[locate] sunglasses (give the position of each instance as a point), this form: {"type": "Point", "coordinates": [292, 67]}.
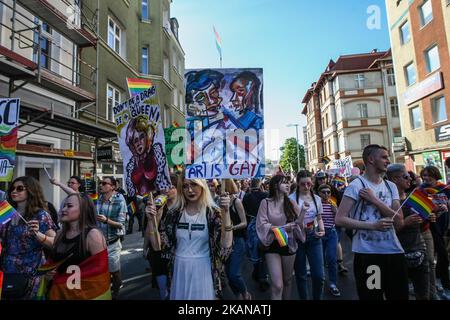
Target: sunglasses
{"type": "Point", "coordinates": [19, 189]}
{"type": "Point", "coordinates": [103, 183]}
{"type": "Point", "coordinates": [192, 186]}
{"type": "Point", "coordinates": [325, 192]}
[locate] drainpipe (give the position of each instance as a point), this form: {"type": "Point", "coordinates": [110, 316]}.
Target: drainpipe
{"type": "Point", "coordinates": [388, 112]}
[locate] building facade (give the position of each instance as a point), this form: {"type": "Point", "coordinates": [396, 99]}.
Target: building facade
{"type": "Point", "coordinates": [419, 32]}
{"type": "Point", "coordinates": [353, 104]}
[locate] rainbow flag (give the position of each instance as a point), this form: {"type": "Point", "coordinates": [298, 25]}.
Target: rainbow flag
{"type": "Point", "coordinates": [281, 236]}
{"type": "Point", "coordinates": [439, 187]}
{"type": "Point", "coordinates": [132, 208]}
{"type": "Point", "coordinates": [8, 144]}
{"type": "Point", "coordinates": [94, 197]}
{"type": "Point", "coordinates": [175, 124]}
{"type": "Point", "coordinates": [420, 203]}
{"type": "Point", "coordinates": [136, 85]}
{"type": "Point", "coordinates": [6, 212]}
{"type": "Point", "coordinates": [218, 42]}
{"type": "Point", "coordinates": [50, 265]}
{"type": "Point", "coordinates": [95, 281]}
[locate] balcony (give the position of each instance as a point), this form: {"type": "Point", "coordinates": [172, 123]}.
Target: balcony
{"type": "Point", "coordinates": [77, 25]}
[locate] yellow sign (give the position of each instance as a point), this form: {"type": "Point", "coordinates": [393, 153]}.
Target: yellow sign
{"type": "Point", "coordinates": [69, 153]}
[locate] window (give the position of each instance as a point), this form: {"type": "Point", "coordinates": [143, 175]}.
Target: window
{"type": "Point", "coordinates": [405, 34]}
{"type": "Point", "coordinates": [432, 59]}
{"type": "Point", "coordinates": [326, 117]}
{"type": "Point", "coordinates": [114, 35]}
{"type": "Point", "coordinates": [175, 59]}
{"type": "Point", "coordinates": [113, 96]}
{"type": "Point", "coordinates": [45, 42]}
{"type": "Point", "coordinates": [166, 68]}
{"type": "Point", "coordinates": [365, 140]}
{"type": "Point", "coordinates": [410, 74]}
{"type": "Point", "coordinates": [145, 15]}
{"type": "Point", "coordinates": [144, 61]}
{"type": "Point", "coordinates": [438, 110]}
{"type": "Point", "coordinates": [415, 117]}
{"type": "Point", "coordinates": [363, 113]}
{"type": "Point", "coordinates": [426, 13]}
{"type": "Point", "coordinates": [359, 78]}
{"type": "Point", "coordinates": [394, 107]}
{"type": "Point", "coordinates": [175, 97]}
{"type": "Point", "coordinates": [181, 105]}
{"type": "Point", "coordinates": [390, 77]}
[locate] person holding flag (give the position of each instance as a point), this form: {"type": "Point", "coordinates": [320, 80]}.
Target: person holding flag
{"type": "Point", "coordinates": [371, 206]}
{"type": "Point", "coordinates": [409, 233]}
{"type": "Point", "coordinates": [26, 234]}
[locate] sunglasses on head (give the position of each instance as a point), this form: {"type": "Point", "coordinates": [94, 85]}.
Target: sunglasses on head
{"type": "Point", "coordinates": [18, 189]}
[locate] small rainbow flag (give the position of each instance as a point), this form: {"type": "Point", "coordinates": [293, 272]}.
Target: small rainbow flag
{"type": "Point", "coordinates": [175, 124]}
{"type": "Point", "coordinates": [6, 212]}
{"type": "Point", "coordinates": [218, 41]}
{"type": "Point", "coordinates": [136, 85]}
{"type": "Point", "coordinates": [439, 187]}
{"type": "Point", "coordinates": [94, 196]}
{"type": "Point", "coordinates": [132, 208]}
{"type": "Point", "coordinates": [281, 236]}
{"type": "Point", "coordinates": [420, 203]}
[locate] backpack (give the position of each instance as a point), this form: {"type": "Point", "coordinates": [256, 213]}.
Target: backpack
{"type": "Point", "coordinates": [358, 209]}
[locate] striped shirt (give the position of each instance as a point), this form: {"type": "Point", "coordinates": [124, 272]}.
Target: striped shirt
{"type": "Point", "coordinates": [328, 216]}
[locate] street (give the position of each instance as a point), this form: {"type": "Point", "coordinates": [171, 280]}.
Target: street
{"type": "Point", "coordinates": [137, 281]}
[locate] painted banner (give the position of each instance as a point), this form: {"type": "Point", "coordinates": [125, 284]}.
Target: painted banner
{"type": "Point", "coordinates": [344, 165]}
{"type": "Point", "coordinates": [225, 123]}
{"type": "Point", "coordinates": [9, 119]}
{"type": "Point", "coordinates": [141, 140]}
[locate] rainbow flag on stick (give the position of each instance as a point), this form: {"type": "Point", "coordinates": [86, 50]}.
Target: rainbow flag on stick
{"type": "Point", "coordinates": [6, 212]}
{"type": "Point", "coordinates": [218, 42]}
{"type": "Point", "coordinates": [281, 236]}
{"type": "Point", "coordinates": [132, 208]}
{"type": "Point", "coordinates": [439, 187]}
{"type": "Point", "coordinates": [95, 281]}
{"type": "Point", "coordinates": [420, 203]}
{"type": "Point", "coordinates": [136, 85]}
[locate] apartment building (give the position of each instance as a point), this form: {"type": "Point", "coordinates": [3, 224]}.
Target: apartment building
{"type": "Point", "coordinates": [137, 39]}
{"type": "Point", "coordinates": [351, 105]}
{"type": "Point", "coordinates": [40, 45]}
{"type": "Point", "coordinates": [419, 32]}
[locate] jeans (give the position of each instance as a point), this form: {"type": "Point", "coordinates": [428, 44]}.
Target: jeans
{"type": "Point", "coordinates": [428, 237]}
{"type": "Point", "coordinates": [329, 243]}
{"type": "Point", "coordinates": [312, 248]}
{"type": "Point", "coordinates": [442, 255]}
{"type": "Point", "coordinates": [420, 277]}
{"type": "Point", "coordinates": [233, 267]}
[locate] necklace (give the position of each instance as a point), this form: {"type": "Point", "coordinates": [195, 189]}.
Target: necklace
{"type": "Point", "coordinates": [190, 224]}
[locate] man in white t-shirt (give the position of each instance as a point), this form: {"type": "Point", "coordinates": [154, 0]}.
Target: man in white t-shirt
{"type": "Point", "coordinates": [368, 206]}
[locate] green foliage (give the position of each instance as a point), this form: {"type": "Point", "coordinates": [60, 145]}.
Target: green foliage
{"type": "Point", "coordinates": [289, 156]}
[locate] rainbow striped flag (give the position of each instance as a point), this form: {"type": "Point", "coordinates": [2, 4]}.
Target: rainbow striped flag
{"type": "Point", "coordinates": [218, 42]}
{"type": "Point", "coordinates": [6, 212]}
{"type": "Point", "coordinates": [420, 203]}
{"type": "Point", "coordinates": [94, 197]}
{"type": "Point", "coordinates": [439, 187]}
{"type": "Point", "coordinates": [95, 281]}
{"type": "Point", "coordinates": [132, 208]}
{"type": "Point", "coordinates": [50, 265]}
{"type": "Point", "coordinates": [136, 85]}
{"type": "Point", "coordinates": [281, 236]}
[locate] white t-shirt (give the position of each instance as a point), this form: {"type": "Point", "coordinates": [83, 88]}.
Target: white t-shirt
{"type": "Point", "coordinates": [370, 241]}
{"type": "Point", "coordinates": [312, 212]}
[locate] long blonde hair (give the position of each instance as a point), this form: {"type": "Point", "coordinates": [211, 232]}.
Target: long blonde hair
{"type": "Point", "coordinates": [206, 200]}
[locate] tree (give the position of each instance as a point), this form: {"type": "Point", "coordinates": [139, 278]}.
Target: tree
{"type": "Point", "coordinates": [289, 156]}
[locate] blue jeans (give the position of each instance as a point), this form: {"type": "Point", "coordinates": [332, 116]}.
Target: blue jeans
{"type": "Point", "coordinates": [233, 266]}
{"type": "Point", "coordinates": [312, 248]}
{"type": "Point", "coordinates": [329, 242]}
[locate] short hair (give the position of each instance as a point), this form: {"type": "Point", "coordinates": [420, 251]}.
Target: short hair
{"type": "Point", "coordinates": [432, 172]}
{"type": "Point", "coordinates": [370, 150]}
{"type": "Point", "coordinates": [324, 186]}
{"type": "Point", "coordinates": [113, 180]}
{"type": "Point", "coordinates": [393, 169]}
{"type": "Point", "coordinates": [76, 178]}
{"type": "Point", "coordinates": [255, 184]}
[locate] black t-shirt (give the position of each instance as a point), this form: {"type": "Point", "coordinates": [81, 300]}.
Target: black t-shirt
{"type": "Point", "coordinates": [410, 237]}
{"type": "Point", "coordinates": [234, 215]}
{"type": "Point", "coordinates": [252, 201]}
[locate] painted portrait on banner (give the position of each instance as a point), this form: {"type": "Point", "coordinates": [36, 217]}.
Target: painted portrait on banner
{"type": "Point", "coordinates": [9, 119]}
{"type": "Point", "coordinates": [141, 140]}
{"type": "Point", "coordinates": [225, 123]}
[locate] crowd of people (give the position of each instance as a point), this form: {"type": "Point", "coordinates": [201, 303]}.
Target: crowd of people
{"type": "Point", "coordinates": [197, 239]}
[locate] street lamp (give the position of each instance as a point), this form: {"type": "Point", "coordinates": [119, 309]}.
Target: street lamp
{"type": "Point", "coordinates": [298, 152]}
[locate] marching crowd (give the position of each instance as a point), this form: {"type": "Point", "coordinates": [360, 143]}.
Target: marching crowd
{"type": "Point", "coordinates": [198, 233]}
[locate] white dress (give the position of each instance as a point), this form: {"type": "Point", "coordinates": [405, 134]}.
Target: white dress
{"type": "Point", "coordinates": [192, 277]}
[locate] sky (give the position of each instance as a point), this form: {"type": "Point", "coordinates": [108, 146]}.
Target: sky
{"type": "Point", "coordinates": [292, 40]}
